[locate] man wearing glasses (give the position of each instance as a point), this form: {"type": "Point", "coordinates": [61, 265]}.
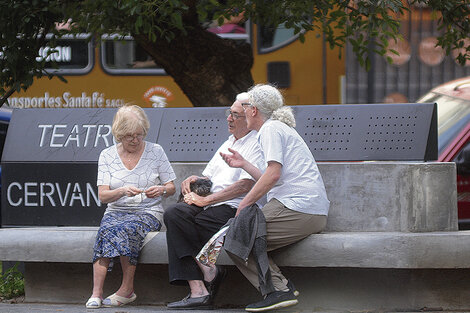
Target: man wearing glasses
{"type": "Point", "coordinates": [190, 224]}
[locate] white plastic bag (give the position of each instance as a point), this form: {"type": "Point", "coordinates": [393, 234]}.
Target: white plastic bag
{"type": "Point", "coordinates": [211, 250]}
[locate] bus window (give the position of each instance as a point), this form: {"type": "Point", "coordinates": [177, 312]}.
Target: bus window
{"type": "Point", "coordinates": [123, 56]}
{"type": "Point", "coordinates": [271, 38]}
{"type": "Point", "coordinates": [73, 55]}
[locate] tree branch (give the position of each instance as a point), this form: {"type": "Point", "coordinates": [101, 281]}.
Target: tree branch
{"type": "Point", "coordinates": [6, 95]}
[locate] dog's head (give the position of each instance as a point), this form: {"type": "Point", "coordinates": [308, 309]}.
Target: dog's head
{"type": "Point", "coordinates": [201, 187]}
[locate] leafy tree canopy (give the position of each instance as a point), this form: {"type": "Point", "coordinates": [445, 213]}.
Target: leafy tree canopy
{"type": "Point", "coordinates": [170, 27]}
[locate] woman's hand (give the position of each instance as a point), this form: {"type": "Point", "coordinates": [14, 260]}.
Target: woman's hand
{"type": "Point", "coordinates": [233, 160]}
{"type": "Point", "coordinates": [155, 191]}
{"type": "Point", "coordinates": [195, 199]}
{"type": "Point", "coordinates": [130, 191]}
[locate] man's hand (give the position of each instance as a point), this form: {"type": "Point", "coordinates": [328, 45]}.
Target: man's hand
{"type": "Point", "coordinates": [238, 211]}
{"type": "Point", "coordinates": [185, 188]}
{"type": "Point", "coordinates": [241, 209]}
{"type": "Point", "coordinates": [192, 198]}
{"type": "Point", "coordinates": [233, 160]}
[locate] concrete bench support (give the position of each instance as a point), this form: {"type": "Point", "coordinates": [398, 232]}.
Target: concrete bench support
{"type": "Point", "coordinates": [321, 289]}
{"type": "Point", "coordinates": [381, 196]}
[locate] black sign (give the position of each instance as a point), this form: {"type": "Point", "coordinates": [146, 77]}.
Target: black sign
{"type": "Point", "coordinates": [49, 165]}
{"type": "Point", "coordinates": [49, 161]}
{"type": "Point", "coordinates": [64, 135]}
{"type": "Point", "coordinates": [50, 194]}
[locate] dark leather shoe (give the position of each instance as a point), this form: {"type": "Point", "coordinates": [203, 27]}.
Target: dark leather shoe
{"type": "Point", "coordinates": [189, 303]}
{"type": "Point", "coordinates": [213, 286]}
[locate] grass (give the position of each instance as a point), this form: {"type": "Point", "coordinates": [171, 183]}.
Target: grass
{"type": "Point", "coordinates": [11, 283]}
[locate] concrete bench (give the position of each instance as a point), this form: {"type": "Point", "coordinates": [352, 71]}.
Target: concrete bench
{"type": "Point", "coordinates": [391, 242]}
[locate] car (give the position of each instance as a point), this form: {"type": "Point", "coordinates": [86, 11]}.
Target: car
{"type": "Point", "coordinates": [453, 107]}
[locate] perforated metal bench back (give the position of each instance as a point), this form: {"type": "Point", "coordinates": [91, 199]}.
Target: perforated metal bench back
{"type": "Point", "coordinates": [192, 134]}
{"type": "Point", "coordinates": [377, 132]}
{"type": "Point", "coordinates": [333, 133]}
{"type": "Point", "coordinates": [369, 132]}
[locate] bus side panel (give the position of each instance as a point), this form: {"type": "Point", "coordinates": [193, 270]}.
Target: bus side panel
{"type": "Point", "coordinates": [100, 90]}
{"type": "Point", "coordinates": [306, 70]}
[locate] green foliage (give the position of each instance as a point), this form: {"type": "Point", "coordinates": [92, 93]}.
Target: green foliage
{"type": "Point", "coordinates": [11, 283]}
{"type": "Point", "coordinates": [454, 22]}
{"type": "Point", "coordinates": [365, 24]}
{"type": "Point", "coordinates": [359, 22]}
{"type": "Point", "coordinates": [160, 19]}
{"type": "Point", "coordinates": [23, 26]}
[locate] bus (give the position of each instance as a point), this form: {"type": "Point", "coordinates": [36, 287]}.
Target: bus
{"type": "Point", "coordinates": [110, 71]}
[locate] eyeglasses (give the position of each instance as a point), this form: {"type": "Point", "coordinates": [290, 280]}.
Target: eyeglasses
{"type": "Point", "coordinates": [234, 115]}
{"type": "Point", "coordinates": [130, 138]}
{"type": "Point", "coordinates": [246, 104]}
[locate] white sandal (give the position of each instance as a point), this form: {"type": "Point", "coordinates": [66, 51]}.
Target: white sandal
{"type": "Point", "coordinates": [115, 300]}
{"type": "Point", "coordinates": [93, 303]}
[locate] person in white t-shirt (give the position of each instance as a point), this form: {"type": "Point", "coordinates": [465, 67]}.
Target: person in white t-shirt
{"type": "Point", "coordinates": [133, 176]}
{"type": "Point", "coordinates": [297, 201]}
{"type": "Point", "coordinates": [190, 224]}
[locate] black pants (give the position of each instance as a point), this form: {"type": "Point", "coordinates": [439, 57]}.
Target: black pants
{"type": "Point", "coordinates": [189, 227]}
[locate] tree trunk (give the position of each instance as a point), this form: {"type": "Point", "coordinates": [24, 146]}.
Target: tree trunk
{"type": "Point", "coordinates": [210, 70]}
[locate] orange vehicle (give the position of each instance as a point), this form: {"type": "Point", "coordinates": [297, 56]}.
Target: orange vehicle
{"type": "Point", "coordinates": [119, 71]}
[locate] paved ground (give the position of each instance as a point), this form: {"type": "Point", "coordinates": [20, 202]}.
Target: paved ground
{"type": "Point", "coordinates": [75, 308]}
{"type": "Point", "coordinates": [18, 306]}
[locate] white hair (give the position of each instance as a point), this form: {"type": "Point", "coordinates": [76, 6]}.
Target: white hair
{"type": "Point", "coordinates": [285, 115]}
{"type": "Point", "coordinates": [244, 96]}
{"type": "Point", "coordinates": [128, 120]}
{"type": "Point", "coordinates": [270, 102]}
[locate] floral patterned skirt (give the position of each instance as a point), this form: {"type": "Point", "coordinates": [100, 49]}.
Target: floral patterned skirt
{"type": "Point", "coordinates": [123, 234]}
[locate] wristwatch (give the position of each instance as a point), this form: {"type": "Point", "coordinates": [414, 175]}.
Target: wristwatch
{"type": "Point", "coordinates": [164, 191]}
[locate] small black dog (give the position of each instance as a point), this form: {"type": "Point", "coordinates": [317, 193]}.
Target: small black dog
{"type": "Point", "coordinates": [201, 187]}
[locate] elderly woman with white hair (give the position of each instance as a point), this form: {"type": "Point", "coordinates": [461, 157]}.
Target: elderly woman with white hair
{"type": "Point", "coordinates": [297, 201]}
{"type": "Point", "coordinates": [133, 177]}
